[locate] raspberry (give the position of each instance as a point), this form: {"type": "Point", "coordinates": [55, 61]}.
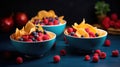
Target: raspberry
{"type": "Point", "coordinates": [69, 30]}
{"type": "Point", "coordinates": [111, 23]}
{"type": "Point", "coordinates": [45, 21]}
{"type": "Point", "coordinates": [50, 23]}
{"type": "Point", "coordinates": [95, 58]}
{"type": "Point", "coordinates": [107, 43]}
{"type": "Point", "coordinates": [96, 54]}
{"type": "Point", "coordinates": [102, 55]}
{"type": "Point", "coordinates": [98, 51]}
{"type": "Point", "coordinates": [62, 52]}
{"type": "Point", "coordinates": [91, 34]}
{"type": "Point", "coordinates": [39, 39]}
{"type": "Point", "coordinates": [56, 58]}
{"type": "Point", "coordinates": [19, 60]}
{"type": "Point", "coordinates": [45, 37]}
{"type": "Point", "coordinates": [87, 57]}
{"type": "Point", "coordinates": [29, 40]}
{"type": "Point", "coordinates": [114, 16]}
{"type": "Point", "coordinates": [117, 25]}
{"type": "Point", "coordinates": [105, 22]}
{"type": "Point", "coordinates": [25, 37]}
{"type": "Point", "coordinates": [87, 30]}
{"type": "Point", "coordinates": [115, 53]}
{"type": "Point", "coordinates": [56, 22]}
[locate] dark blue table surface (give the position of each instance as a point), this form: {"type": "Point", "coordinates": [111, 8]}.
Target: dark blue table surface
{"type": "Point", "coordinates": [69, 60]}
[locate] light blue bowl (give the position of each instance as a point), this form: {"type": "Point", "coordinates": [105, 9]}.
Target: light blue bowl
{"type": "Point", "coordinates": [34, 48]}
{"type": "Point", "coordinates": [86, 44]}
{"type": "Point", "coordinates": [57, 29]}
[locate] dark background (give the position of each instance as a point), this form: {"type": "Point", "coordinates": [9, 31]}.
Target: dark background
{"type": "Point", "coordinates": [73, 10]}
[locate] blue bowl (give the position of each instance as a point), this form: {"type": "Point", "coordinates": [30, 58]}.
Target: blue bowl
{"type": "Point", "coordinates": [57, 29]}
{"type": "Point", "coordinates": [86, 44]}
{"type": "Point", "coordinates": [33, 48]}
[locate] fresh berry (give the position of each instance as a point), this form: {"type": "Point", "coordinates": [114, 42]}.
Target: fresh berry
{"type": "Point", "coordinates": [50, 23]}
{"type": "Point", "coordinates": [114, 16]}
{"type": "Point", "coordinates": [56, 58]}
{"type": "Point", "coordinates": [95, 54]}
{"type": "Point", "coordinates": [102, 55]}
{"type": "Point", "coordinates": [117, 25]}
{"type": "Point", "coordinates": [87, 57]}
{"type": "Point", "coordinates": [91, 34]}
{"type": "Point", "coordinates": [69, 30]}
{"type": "Point", "coordinates": [31, 36]}
{"type": "Point", "coordinates": [56, 22]}
{"type": "Point", "coordinates": [39, 39]}
{"type": "Point", "coordinates": [98, 51]}
{"type": "Point", "coordinates": [105, 22]}
{"type": "Point", "coordinates": [115, 53]}
{"type": "Point", "coordinates": [63, 52]}
{"type": "Point", "coordinates": [25, 37]}
{"type": "Point", "coordinates": [87, 30]}
{"type": "Point", "coordinates": [45, 37]}
{"type": "Point", "coordinates": [45, 21]}
{"type": "Point", "coordinates": [107, 43]}
{"type": "Point", "coordinates": [112, 23]}
{"type": "Point", "coordinates": [95, 58]}
{"type": "Point", "coordinates": [29, 40]}
{"type": "Point", "coordinates": [19, 60]}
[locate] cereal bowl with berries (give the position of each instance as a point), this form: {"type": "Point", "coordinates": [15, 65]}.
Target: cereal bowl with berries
{"type": "Point", "coordinates": [32, 40]}
{"type": "Point", "coordinates": [50, 21]}
{"type": "Point", "coordinates": [84, 36]}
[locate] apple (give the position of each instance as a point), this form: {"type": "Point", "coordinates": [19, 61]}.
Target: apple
{"type": "Point", "coordinates": [21, 19]}
{"type": "Point", "coordinates": [7, 24]}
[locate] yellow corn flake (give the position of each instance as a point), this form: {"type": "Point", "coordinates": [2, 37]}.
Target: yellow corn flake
{"type": "Point", "coordinates": [28, 26]}
{"type": "Point", "coordinates": [51, 13]}
{"type": "Point", "coordinates": [82, 32]}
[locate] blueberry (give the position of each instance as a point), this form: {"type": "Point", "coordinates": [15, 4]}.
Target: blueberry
{"type": "Point", "coordinates": [21, 39]}
{"type": "Point", "coordinates": [50, 19]}
{"type": "Point", "coordinates": [72, 33]}
{"type": "Point", "coordinates": [33, 39]}
{"type": "Point", "coordinates": [96, 34]}
{"type": "Point", "coordinates": [82, 36]}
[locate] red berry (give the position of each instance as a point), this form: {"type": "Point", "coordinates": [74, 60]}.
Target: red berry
{"type": "Point", "coordinates": [29, 40]}
{"type": "Point", "coordinates": [87, 57]}
{"type": "Point", "coordinates": [50, 23]}
{"type": "Point", "coordinates": [39, 39]}
{"type": "Point", "coordinates": [46, 37]}
{"type": "Point", "coordinates": [111, 23]}
{"type": "Point", "coordinates": [87, 30]}
{"type": "Point", "coordinates": [25, 37]}
{"type": "Point", "coordinates": [105, 22]}
{"type": "Point", "coordinates": [56, 58]}
{"type": "Point", "coordinates": [69, 30]}
{"type": "Point", "coordinates": [19, 60]}
{"type": "Point", "coordinates": [95, 58]}
{"type": "Point", "coordinates": [56, 22]}
{"type": "Point", "coordinates": [45, 21]}
{"type": "Point", "coordinates": [117, 25]}
{"type": "Point", "coordinates": [63, 52]}
{"type": "Point", "coordinates": [31, 36]}
{"type": "Point", "coordinates": [102, 55]}
{"type": "Point", "coordinates": [98, 51]}
{"type": "Point", "coordinates": [40, 34]}
{"type": "Point", "coordinates": [114, 16]}
{"type": "Point", "coordinates": [107, 43]}
{"type": "Point", "coordinates": [96, 54]}
{"type": "Point", "coordinates": [91, 34]}
{"type": "Point", "coordinates": [115, 53]}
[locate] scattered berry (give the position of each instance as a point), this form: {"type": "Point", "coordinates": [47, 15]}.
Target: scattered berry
{"type": "Point", "coordinates": [107, 43]}
{"type": "Point", "coordinates": [56, 58]}
{"type": "Point", "coordinates": [95, 58]}
{"type": "Point", "coordinates": [98, 51]}
{"type": "Point", "coordinates": [19, 60]}
{"type": "Point", "coordinates": [69, 30]}
{"type": "Point", "coordinates": [95, 54]}
{"type": "Point", "coordinates": [63, 52]}
{"type": "Point", "coordinates": [102, 55]}
{"type": "Point", "coordinates": [87, 57]}
{"type": "Point", "coordinates": [115, 53]}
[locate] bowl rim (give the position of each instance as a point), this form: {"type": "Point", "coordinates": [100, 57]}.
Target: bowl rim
{"type": "Point", "coordinates": [88, 38]}
{"type": "Point", "coordinates": [54, 25]}
{"type": "Point", "coordinates": [35, 41]}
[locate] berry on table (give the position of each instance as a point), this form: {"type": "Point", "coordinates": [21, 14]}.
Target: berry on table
{"type": "Point", "coordinates": [19, 60]}
{"type": "Point", "coordinates": [98, 51]}
{"type": "Point", "coordinates": [87, 57]}
{"type": "Point", "coordinates": [95, 58]}
{"type": "Point", "coordinates": [107, 43]}
{"type": "Point", "coordinates": [102, 55]}
{"type": "Point", "coordinates": [63, 52]}
{"type": "Point", "coordinates": [115, 53]}
{"type": "Point", "coordinates": [56, 58]}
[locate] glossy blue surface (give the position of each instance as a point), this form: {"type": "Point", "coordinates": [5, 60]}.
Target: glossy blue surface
{"type": "Point", "coordinates": [57, 29]}
{"type": "Point", "coordinates": [70, 60]}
